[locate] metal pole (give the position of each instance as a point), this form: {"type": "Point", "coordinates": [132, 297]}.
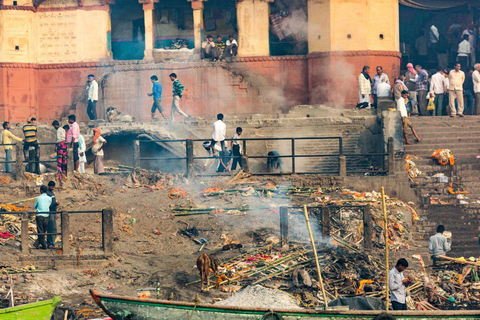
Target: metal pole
{"type": "Point", "coordinates": [319, 270]}
{"type": "Point", "coordinates": [385, 231]}
{"type": "Point", "coordinates": [293, 155]}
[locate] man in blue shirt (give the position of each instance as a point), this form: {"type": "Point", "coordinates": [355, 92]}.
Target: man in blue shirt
{"type": "Point", "coordinates": [157, 97]}
{"type": "Point", "coordinates": [42, 204]}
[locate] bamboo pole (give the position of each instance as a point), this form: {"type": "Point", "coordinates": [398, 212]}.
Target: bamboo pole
{"type": "Point", "coordinates": [319, 270]}
{"type": "Point", "coordinates": [385, 231]}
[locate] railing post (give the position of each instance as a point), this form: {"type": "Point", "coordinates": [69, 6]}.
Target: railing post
{"type": "Point", "coordinates": [65, 224]}
{"type": "Point", "coordinates": [244, 161]}
{"type": "Point", "coordinates": [326, 221]}
{"type": "Point", "coordinates": [24, 233]}
{"type": "Point", "coordinates": [293, 155]}
{"type": "Point", "coordinates": [136, 153]}
{"type": "Point", "coordinates": [244, 147]}
{"type": "Point", "coordinates": [19, 169]}
{"type": "Point", "coordinates": [284, 225]}
{"type": "Point", "coordinates": [340, 146]}
{"type": "Point", "coordinates": [189, 156]}
{"type": "Point", "coordinates": [342, 165]}
{"type": "Point", "coordinates": [107, 231]}
{"type": "Point", "coordinates": [367, 228]}
{"type": "Point", "coordinates": [70, 162]}
{"type": "Point", "coordinates": [391, 156]}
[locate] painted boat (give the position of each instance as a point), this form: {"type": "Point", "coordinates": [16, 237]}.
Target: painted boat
{"type": "Point", "coordinates": [41, 310]}
{"type": "Point", "coordinates": [123, 308]}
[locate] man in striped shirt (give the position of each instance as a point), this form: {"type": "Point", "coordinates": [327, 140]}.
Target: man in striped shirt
{"type": "Point", "coordinates": [30, 133]}
{"type": "Point", "coordinates": [177, 95]}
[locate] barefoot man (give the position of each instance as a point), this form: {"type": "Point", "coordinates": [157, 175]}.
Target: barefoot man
{"type": "Point", "coordinates": [405, 121]}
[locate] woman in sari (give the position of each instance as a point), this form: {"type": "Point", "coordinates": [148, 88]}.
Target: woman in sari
{"type": "Point", "coordinates": [62, 156]}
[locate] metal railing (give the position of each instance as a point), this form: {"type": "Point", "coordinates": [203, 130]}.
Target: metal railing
{"type": "Point", "coordinates": [334, 162]}
{"type": "Point", "coordinates": [106, 221]}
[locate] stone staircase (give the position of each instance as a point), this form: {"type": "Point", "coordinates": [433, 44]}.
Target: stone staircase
{"type": "Point", "coordinates": [458, 212]}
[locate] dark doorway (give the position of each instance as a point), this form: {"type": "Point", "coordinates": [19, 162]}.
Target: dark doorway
{"type": "Point", "coordinates": [174, 25]}
{"type": "Point", "coordinates": [128, 30]}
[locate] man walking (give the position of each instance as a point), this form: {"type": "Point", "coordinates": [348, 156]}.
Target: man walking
{"type": "Point", "coordinates": [421, 88]}
{"type": "Point", "coordinates": [42, 204]}
{"type": "Point", "coordinates": [456, 79]}
{"type": "Point", "coordinates": [157, 97]}
{"type": "Point", "coordinates": [52, 217]}
{"type": "Point", "coordinates": [438, 244]}
{"type": "Point", "coordinates": [219, 132]}
{"type": "Point", "coordinates": [438, 86]}
{"type": "Point", "coordinates": [236, 149]}
{"type": "Point", "coordinates": [476, 87]}
{"type": "Point", "coordinates": [177, 95]}
{"type": "Point", "coordinates": [92, 97]}
{"type": "Point", "coordinates": [402, 109]}
{"type": "Point", "coordinates": [30, 133]}
{"type": "Point", "coordinates": [72, 138]}
{"type": "Point", "coordinates": [7, 137]}
{"type": "Point", "coordinates": [377, 79]}
{"type": "Point", "coordinates": [397, 284]}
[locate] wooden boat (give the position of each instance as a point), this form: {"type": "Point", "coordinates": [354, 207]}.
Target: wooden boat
{"type": "Point", "coordinates": [122, 308]}
{"type": "Point", "coordinates": [41, 310]}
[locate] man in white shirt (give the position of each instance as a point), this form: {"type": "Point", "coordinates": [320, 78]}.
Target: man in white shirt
{"type": "Point", "coordinates": [231, 48]}
{"type": "Point", "coordinates": [92, 97]}
{"type": "Point", "coordinates": [383, 89]}
{"type": "Point", "coordinates": [219, 132]}
{"type": "Point", "coordinates": [464, 50]}
{"type": "Point", "coordinates": [439, 87]}
{"type": "Point", "coordinates": [377, 79]}
{"type": "Point", "coordinates": [208, 49]}
{"type": "Point", "coordinates": [397, 284]}
{"type": "Point", "coordinates": [456, 79]}
{"type": "Point", "coordinates": [402, 109]}
{"type": "Point", "coordinates": [476, 87]}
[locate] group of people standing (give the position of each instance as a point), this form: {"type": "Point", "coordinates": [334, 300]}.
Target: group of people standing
{"type": "Point", "coordinates": [429, 92]}
{"type": "Point", "coordinates": [69, 136]}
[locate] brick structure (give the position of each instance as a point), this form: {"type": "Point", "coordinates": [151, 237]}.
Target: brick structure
{"type": "Point", "coordinates": [44, 72]}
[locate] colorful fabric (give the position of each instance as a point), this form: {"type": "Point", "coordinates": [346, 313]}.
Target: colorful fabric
{"type": "Point", "coordinates": [73, 133]}
{"type": "Point", "coordinates": [220, 45]}
{"type": "Point", "coordinates": [6, 235]}
{"type": "Point", "coordinates": [422, 81]}
{"type": "Point", "coordinates": [276, 21]}
{"type": "Point", "coordinates": [411, 69]}
{"type": "Point", "coordinates": [62, 157]}
{"type": "Point", "coordinates": [30, 132]}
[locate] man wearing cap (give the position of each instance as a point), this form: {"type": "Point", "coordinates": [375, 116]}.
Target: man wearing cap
{"type": "Point", "coordinates": [92, 97]}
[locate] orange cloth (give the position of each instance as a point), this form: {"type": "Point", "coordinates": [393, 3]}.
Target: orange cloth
{"type": "Point", "coordinates": [97, 134]}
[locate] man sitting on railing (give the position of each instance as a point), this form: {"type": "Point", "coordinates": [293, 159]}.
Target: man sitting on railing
{"type": "Point", "coordinates": [42, 204]}
{"type": "Point", "coordinates": [7, 137]}
{"type": "Point", "coordinates": [30, 133]}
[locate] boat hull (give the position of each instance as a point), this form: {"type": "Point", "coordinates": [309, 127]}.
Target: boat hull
{"type": "Point", "coordinates": [145, 309]}
{"type": "Point", "coordinates": [41, 310]}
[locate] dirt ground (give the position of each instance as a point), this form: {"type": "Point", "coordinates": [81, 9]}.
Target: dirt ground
{"type": "Point", "coordinates": [150, 250]}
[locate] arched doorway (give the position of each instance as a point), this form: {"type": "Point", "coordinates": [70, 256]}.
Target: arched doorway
{"type": "Point", "coordinates": [128, 30]}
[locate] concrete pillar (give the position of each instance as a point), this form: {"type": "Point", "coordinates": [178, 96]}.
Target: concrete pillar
{"type": "Point", "coordinates": [65, 231]}
{"type": "Point", "coordinates": [367, 228]}
{"type": "Point", "coordinates": [197, 6]}
{"type": "Point", "coordinates": [107, 231]}
{"type": "Point", "coordinates": [136, 154]}
{"type": "Point", "coordinates": [19, 168]}
{"type": "Point", "coordinates": [391, 156]}
{"type": "Point", "coordinates": [189, 156]}
{"type": "Point", "coordinates": [149, 31]}
{"type": "Point", "coordinates": [24, 233]}
{"type": "Point", "coordinates": [342, 163]}
{"type": "Point", "coordinates": [253, 27]}
{"type": "Point", "coordinates": [284, 225]}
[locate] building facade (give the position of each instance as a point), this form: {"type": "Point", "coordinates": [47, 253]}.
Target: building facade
{"type": "Point", "coordinates": [47, 48]}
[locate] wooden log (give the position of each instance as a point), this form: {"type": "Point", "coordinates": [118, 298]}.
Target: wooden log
{"type": "Point", "coordinates": [459, 261]}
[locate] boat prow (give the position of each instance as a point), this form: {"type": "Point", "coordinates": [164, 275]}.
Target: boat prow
{"type": "Point", "coordinates": [124, 308]}
{"type": "Point", "coordinates": [41, 310]}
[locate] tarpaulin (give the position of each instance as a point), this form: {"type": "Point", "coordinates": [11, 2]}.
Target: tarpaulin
{"type": "Point", "coordinates": [359, 303]}
{"type": "Point", "coordinates": [435, 4]}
